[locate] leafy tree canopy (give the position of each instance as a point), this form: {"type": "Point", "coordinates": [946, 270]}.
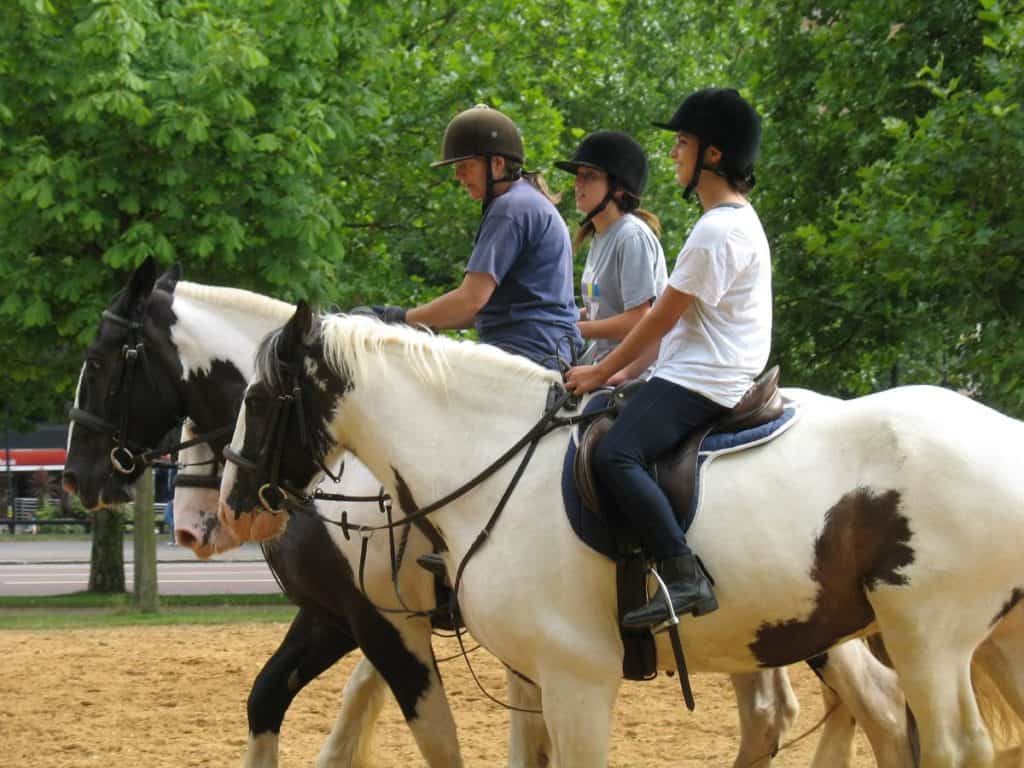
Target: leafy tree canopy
{"type": "Point", "coordinates": [285, 147]}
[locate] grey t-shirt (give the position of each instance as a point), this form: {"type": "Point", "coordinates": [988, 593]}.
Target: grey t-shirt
{"type": "Point", "coordinates": [625, 268]}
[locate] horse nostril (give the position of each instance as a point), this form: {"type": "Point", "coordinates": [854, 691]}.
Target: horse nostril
{"type": "Point", "coordinates": [70, 482]}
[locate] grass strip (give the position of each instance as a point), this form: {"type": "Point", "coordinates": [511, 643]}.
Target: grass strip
{"type": "Point", "coordinates": [124, 599]}
{"type": "Point", "coordinates": [88, 609]}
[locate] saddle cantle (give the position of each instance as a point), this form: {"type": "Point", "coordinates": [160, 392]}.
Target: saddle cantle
{"type": "Point", "coordinates": [676, 472]}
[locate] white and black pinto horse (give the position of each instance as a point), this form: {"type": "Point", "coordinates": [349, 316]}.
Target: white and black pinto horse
{"type": "Point", "coordinates": [901, 512]}
{"type": "Point", "coordinates": [191, 350]}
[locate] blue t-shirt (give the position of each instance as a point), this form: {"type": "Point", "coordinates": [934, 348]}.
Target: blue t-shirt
{"type": "Point", "coordinates": [524, 245]}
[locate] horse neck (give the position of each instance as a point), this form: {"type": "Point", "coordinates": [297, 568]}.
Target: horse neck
{"type": "Point", "coordinates": [216, 333]}
{"type": "Point", "coordinates": [206, 330]}
{"type": "Point", "coordinates": [433, 438]}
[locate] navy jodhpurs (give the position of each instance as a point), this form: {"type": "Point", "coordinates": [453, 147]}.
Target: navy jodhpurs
{"type": "Point", "coordinates": [655, 420]}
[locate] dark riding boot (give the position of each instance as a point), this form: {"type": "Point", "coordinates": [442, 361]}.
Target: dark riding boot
{"type": "Point", "coordinates": [688, 588]}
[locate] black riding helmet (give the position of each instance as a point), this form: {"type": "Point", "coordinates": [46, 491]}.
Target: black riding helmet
{"type": "Point", "coordinates": [482, 132]}
{"type": "Point", "coordinates": [722, 118]}
{"type": "Point", "coordinates": [616, 153]}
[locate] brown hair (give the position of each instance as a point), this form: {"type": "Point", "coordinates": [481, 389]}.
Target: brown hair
{"type": "Point", "coordinates": [627, 204]}
{"type": "Point", "coordinates": [534, 178]}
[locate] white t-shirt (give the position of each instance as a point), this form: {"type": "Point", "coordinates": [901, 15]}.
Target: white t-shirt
{"type": "Point", "coordinates": [721, 343]}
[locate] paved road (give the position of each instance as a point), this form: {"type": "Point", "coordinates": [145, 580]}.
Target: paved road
{"type": "Point", "coordinates": [59, 567]}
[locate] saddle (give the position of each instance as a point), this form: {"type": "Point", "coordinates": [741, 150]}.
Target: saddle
{"type": "Point", "coordinates": [676, 472]}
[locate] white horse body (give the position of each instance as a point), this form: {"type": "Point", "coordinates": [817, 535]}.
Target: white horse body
{"type": "Point", "coordinates": [545, 603]}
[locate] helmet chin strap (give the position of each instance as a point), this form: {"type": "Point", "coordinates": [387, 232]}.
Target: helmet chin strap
{"type": "Point", "coordinates": [697, 166]}
{"type": "Point", "coordinates": [613, 187]}
{"type": "Point", "coordinates": [596, 210]}
{"type": "Point", "coordinates": [491, 181]}
{"type": "Point", "coordinates": [489, 191]}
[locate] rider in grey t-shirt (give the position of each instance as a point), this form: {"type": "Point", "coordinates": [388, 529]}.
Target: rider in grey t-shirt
{"type": "Point", "coordinates": [625, 270]}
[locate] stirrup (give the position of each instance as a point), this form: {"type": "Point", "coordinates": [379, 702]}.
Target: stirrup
{"type": "Point", "coordinates": [673, 619]}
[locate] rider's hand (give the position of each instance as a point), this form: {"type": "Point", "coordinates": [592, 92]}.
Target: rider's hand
{"type": "Point", "coordinates": [386, 312]}
{"type": "Point", "coordinates": [581, 379]}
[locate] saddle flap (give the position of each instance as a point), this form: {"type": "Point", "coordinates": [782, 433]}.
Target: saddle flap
{"type": "Point", "coordinates": [583, 467]}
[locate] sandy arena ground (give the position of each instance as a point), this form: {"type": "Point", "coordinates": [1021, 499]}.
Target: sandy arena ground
{"type": "Point", "coordinates": [168, 697]}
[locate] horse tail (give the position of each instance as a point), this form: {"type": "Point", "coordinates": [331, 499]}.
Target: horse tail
{"type": "Point", "coordinates": [1004, 724]}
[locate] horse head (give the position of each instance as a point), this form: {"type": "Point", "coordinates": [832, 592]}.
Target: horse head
{"type": "Point", "coordinates": [196, 491]}
{"type": "Point", "coordinates": [114, 419]}
{"type": "Point", "coordinates": [282, 442]}
{"type": "Point", "coordinates": [158, 356]}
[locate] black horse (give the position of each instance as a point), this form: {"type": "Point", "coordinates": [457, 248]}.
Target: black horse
{"type": "Point", "coordinates": [145, 371]}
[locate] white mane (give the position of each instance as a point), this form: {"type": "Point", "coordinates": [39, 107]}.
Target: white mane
{"type": "Point", "coordinates": [245, 302]}
{"type": "Point", "coordinates": [350, 339]}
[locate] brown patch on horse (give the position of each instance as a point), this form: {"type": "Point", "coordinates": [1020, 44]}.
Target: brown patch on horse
{"type": "Point", "coordinates": [865, 542]}
{"type": "Point", "coordinates": [257, 525]}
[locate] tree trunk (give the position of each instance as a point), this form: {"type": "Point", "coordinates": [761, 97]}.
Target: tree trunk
{"type": "Point", "coordinates": [144, 588]}
{"type": "Point", "coordinates": [106, 569]}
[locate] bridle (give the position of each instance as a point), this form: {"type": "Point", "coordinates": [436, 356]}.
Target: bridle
{"type": "Point", "coordinates": [210, 480]}
{"type": "Point", "coordinates": [276, 496]}
{"type": "Point", "coordinates": [127, 456]}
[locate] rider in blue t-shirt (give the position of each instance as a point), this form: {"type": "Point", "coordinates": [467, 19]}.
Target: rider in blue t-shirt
{"type": "Point", "coordinates": [518, 286]}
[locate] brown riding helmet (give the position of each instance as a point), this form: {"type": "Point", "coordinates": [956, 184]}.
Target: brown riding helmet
{"type": "Point", "coordinates": [480, 131]}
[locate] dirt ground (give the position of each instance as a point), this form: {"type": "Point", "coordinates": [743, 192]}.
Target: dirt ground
{"type": "Point", "coordinates": [163, 697]}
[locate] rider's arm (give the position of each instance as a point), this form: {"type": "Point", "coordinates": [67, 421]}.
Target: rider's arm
{"type": "Point", "coordinates": [615, 327]}
{"type": "Point", "coordinates": [638, 366]}
{"type": "Point", "coordinates": [666, 311]}
{"type": "Point", "coordinates": [457, 308]}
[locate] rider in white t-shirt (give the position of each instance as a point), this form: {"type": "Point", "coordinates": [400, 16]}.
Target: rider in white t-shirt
{"type": "Point", "coordinates": [710, 333]}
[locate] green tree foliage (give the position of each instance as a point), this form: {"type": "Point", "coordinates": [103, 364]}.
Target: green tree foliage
{"type": "Point", "coordinates": [892, 140]}
{"type": "Point", "coordinates": [285, 147]}
{"type": "Point", "coordinates": [200, 132]}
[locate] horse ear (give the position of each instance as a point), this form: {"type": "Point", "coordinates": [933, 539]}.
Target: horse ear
{"type": "Point", "coordinates": [295, 331]}
{"type": "Point", "coordinates": [140, 285]}
{"type": "Point", "coordinates": [169, 279]}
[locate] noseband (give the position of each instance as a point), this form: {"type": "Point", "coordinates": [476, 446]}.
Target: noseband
{"type": "Point", "coordinates": [126, 455]}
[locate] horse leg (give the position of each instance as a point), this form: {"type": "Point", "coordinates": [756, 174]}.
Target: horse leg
{"type": "Point", "coordinates": [869, 691]}
{"type": "Point", "coordinates": [578, 715]}
{"type": "Point", "coordinates": [835, 746]}
{"type": "Point", "coordinates": [935, 674]}
{"type": "Point", "coordinates": [767, 708]}
{"type": "Point", "coordinates": [1002, 658]}
{"type": "Point", "coordinates": [528, 742]}
{"type": "Point", "coordinates": [311, 645]}
{"type": "Point", "coordinates": [404, 658]}
{"type": "Point", "coordinates": [348, 744]}
{"type": "Point", "coordinates": [1000, 662]}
